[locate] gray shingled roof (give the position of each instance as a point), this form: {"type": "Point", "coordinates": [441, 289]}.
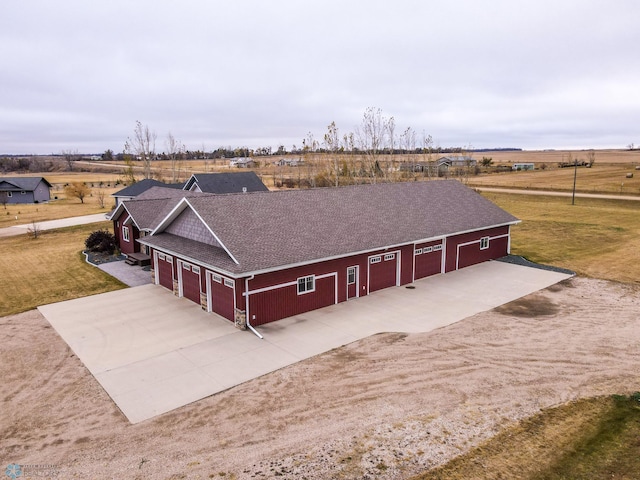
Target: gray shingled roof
{"type": "Point", "coordinates": [142, 186]}
{"type": "Point", "coordinates": [152, 206]}
{"type": "Point", "coordinates": [227, 182]}
{"type": "Point", "coordinates": [27, 184]}
{"type": "Point", "coordinates": [268, 230]}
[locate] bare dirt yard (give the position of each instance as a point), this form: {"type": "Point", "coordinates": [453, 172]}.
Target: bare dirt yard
{"type": "Point", "coordinates": [389, 406]}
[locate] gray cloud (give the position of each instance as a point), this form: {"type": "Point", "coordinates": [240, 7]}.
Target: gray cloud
{"type": "Point", "coordinates": [545, 74]}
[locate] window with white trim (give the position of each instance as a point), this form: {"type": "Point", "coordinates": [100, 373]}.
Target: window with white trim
{"type": "Point", "coordinates": [228, 283]}
{"type": "Point", "coordinates": [186, 266]}
{"type": "Point", "coordinates": [161, 256]}
{"type": "Point", "coordinates": [217, 278]}
{"type": "Point", "coordinates": [195, 269]}
{"type": "Point", "coordinates": [306, 284]}
{"type": "Point", "coordinates": [418, 251]}
{"type": "Point", "coordinates": [484, 243]}
{"type": "Point", "coordinates": [427, 250]}
{"type": "Point", "coordinates": [351, 275]}
{"type": "Point", "coordinates": [125, 233]}
{"type": "Point", "coordinates": [389, 256]}
{"type": "Point", "coordinates": [377, 259]}
{"type": "Point", "coordinates": [9, 194]}
{"type": "Point", "coordinates": [437, 248]}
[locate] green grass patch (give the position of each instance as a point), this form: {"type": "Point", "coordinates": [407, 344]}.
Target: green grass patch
{"type": "Point", "coordinates": [595, 238]}
{"type": "Point", "coordinates": [49, 269]}
{"type": "Point", "coordinates": [593, 438]}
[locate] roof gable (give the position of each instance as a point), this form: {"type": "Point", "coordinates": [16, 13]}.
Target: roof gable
{"type": "Point", "coordinates": [186, 224]}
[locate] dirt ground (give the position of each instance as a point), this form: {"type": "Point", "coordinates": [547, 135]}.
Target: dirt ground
{"type": "Point", "coordinates": [385, 407]}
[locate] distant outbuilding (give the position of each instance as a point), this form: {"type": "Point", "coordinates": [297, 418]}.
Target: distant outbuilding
{"type": "Point", "coordinates": [24, 190]}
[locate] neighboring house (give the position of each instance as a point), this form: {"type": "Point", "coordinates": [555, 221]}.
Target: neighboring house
{"type": "Point", "coordinates": [289, 162]}
{"type": "Point", "coordinates": [456, 162]}
{"type": "Point", "coordinates": [258, 257]}
{"type": "Point", "coordinates": [241, 162]}
{"type": "Point", "coordinates": [237, 182]}
{"type": "Point", "coordinates": [134, 190]}
{"type": "Point", "coordinates": [24, 190]}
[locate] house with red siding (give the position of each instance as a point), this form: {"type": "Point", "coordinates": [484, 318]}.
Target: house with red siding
{"type": "Point", "coordinates": [258, 257]}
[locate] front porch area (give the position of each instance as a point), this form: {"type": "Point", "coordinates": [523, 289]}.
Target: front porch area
{"type": "Point", "coordinates": [138, 258]}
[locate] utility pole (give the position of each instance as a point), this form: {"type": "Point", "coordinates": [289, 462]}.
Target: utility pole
{"type": "Point", "coordinates": [575, 175]}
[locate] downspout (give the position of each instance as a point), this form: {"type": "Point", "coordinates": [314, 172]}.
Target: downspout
{"type": "Point", "coordinates": [246, 296]}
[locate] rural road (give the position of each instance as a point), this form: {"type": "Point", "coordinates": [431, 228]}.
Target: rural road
{"type": "Point", "coordinates": [557, 194]}
{"type": "Point", "coordinates": [50, 224]}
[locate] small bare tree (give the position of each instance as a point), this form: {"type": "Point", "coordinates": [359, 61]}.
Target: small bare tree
{"type": "Point", "coordinates": [101, 195]}
{"type": "Point", "coordinates": [175, 151]}
{"type": "Point", "coordinates": [34, 230]}
{"type": "Point", "coordinates": [4, 199]}
{"type": "Point", "coordinates": [332, 144]}
{"type": "Point", "coordinates": [427, 152]}
{"type": "Point", "coordinates": [371, 139]}
{"type": "Point", "coordinates": [143, 145]}
{"type": "Point", "coordinates": [70, 156]}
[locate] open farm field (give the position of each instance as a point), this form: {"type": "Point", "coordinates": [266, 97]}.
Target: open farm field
{"type": "Point", "coordinates": [598, 179]}
{"type": "Point", "coordinates": [612, 156]}
{"type": "Point", "coordinates": [49, 269]}
{"type": "Point", "coordinates": [595, 238]}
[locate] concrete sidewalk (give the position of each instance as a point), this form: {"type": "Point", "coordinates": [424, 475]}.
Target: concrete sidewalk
{"type": "Point", "coordinates": [51, 224]}
{"type": "Point", "coordinates": [131, 275]}
{"type": "Point", "coordinates": [153, 352]}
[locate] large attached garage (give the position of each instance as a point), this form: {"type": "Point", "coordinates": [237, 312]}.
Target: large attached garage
{"type": "Point", "coordinates": [265, 256]}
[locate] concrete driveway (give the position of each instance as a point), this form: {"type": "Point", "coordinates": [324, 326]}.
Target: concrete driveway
{"type": "Point", "coordinates": [153, 352]}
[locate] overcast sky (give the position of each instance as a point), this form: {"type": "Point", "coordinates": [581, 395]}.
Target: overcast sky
{"type": "Point", "coordinates": [77, 74]}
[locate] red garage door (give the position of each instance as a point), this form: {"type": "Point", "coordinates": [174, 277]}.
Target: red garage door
{"type": "Point", "coordinates": [190, 281]}
{"type": "Point", "coordinates": [222, 295]}
{"type": "Point", "coordinates": [165, 270]}
{"type": "Point", "coordinates": [428, 261]}
{"type": "Point", "coordinates": [383, 271]}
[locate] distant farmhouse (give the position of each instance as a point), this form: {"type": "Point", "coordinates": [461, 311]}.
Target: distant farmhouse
{"type": "Point", "coordinates": [241, 162]}
{"type": "Point", "coordinates": [441, 165]}
{"type": "Point", "coordinates": [289, 162]}
{"type": "Point", "coordinates": [257, 257]}
{"type": "Point", "coordinates": [456, 161]}
{"type": "Point", "coordinates": [24, 190]}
